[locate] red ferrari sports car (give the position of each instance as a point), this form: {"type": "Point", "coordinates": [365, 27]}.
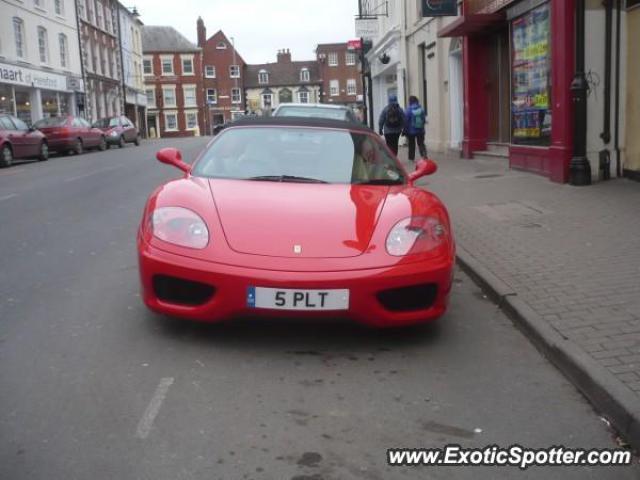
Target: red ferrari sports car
{"type": "Point", "coordinates": [295, 217]}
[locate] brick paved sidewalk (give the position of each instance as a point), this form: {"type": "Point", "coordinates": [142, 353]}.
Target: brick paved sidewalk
{"type": "Point", "coordinates": [571, 255]}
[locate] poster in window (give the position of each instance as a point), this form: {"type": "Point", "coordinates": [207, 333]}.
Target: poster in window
{"type": "Point", "coordinates": [531, 92]}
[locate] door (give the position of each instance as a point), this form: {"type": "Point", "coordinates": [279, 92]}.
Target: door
{"type": "Point", "coordinates": [18, 134]}
{"type": "Point", "coordinates": [498, 88]}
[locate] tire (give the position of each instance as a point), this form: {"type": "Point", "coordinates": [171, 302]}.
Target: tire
{"type": "Point", "coordinates": [137, 140]}
{"type": "Point", "coordinates": [78, 147]}
{"type": "Point", "coordinates": [121, 142]}
{"type": "Point", "coordinates": [6, 156]}
{"type": "Point", "coordinates": [44, 152]}
{"type": "Point", "coordinates": [102, 146]}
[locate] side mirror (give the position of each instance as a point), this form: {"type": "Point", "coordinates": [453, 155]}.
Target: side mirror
{"type": "Point", "coordinates": [172, 156]}
{"type": "Point", "coordinates": [424, 167]}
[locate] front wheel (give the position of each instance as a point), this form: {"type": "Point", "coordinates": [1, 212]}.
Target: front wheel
{"type": "Point", "coordinates": [121, 142]}
{"type": "Point", "coordinates": [6, 156]}
{"type": "Point", "coordinates": [102, 146]}
{"type": "Point", "coordinates": [44, 152]}
{"type": "Point", "coordinates": [137, 140]}
{"type": "Point", "coordinates": [78, 147]}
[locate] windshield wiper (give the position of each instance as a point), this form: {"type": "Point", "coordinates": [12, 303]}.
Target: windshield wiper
{"type": "Point", "coordinates": [286, 178]}
{"type": "Point", "coordinates": [379, 181]}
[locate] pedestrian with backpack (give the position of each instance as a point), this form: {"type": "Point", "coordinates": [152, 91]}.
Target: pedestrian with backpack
{"type": "Point", "coordinates": [391, 123]}
{"type": "Point", "coordinates": [415, 121]}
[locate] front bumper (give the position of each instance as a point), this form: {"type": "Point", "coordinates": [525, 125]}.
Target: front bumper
{"type": "Point", "coordinates": [231, 284]}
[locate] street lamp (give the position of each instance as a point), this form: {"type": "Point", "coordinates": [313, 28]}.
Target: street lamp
{"type": "Point", "coordinates": [579, 168]}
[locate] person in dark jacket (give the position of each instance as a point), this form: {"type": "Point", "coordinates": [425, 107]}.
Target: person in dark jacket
{"type": "Point", "coordinates": [414, 123]}
{"type": "Point", "coordinates": [391, 123]}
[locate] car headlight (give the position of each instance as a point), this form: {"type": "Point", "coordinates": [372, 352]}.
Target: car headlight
{"type": "Point", "coordinates": [416, 235]}
{"type": "Point", "coordinates": [179, 226]}
{"type": "Point", "coordinates": [113, 133]}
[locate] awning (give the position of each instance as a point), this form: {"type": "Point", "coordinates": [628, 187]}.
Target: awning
{"type": "Point", "coordinates": [471, 24]}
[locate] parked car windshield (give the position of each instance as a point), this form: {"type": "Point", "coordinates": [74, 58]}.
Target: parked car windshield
{"type": "Point", "coordinates": [313, 112]}
{"type": "Point", "coordinates": [50, 122]}
{"type": "Point", "coordinates": [105, 122]}
{"type": "Point", "coordinates": [299, 154]}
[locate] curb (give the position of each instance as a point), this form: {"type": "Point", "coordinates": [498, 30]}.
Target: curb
{"type": "Point", "coordinates": [606, 394]}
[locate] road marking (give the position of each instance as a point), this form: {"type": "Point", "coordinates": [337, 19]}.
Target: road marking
{"type": "Point", "coordinates": [146, 422]}
{"type": "Point", "coordinates": [7, 197]}
{"type": "Point", "coordinates": [11, 171]}
{"type": "Point", "coordinates": [85, 175]}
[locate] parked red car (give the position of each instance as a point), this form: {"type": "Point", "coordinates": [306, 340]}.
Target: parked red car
{"type": "Point", "coordinates": [118, 130]}
{"type": "Point", "coordinates": [18, 140]}
{"type": "Point", "coordinates": [293, 217]}
{"type": "Point", "coordinates": [69, 133]}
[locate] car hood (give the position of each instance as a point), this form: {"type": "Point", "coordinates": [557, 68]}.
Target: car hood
{"type": "Point", "coordinates": [297, 220]}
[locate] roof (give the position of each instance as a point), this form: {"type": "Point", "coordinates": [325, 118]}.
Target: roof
{"type": "Point", "coordinates": [299, 122]}
{"type": "Point", "coordinates": [165, 39]}
{"type": "Point", "coordinates": [281, 74]}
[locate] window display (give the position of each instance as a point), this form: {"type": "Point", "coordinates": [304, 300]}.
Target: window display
{"type": "Point", "coordinates": [531, 69]}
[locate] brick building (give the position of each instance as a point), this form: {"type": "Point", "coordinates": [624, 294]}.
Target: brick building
{"type": "Point", "coordinates": [269, 84]}
{"type": "Point", "coordinates": [100, 54]}
{"type": "Point", "coordinates": [339, 70]}
{"type": "Point", "coordinates": [172, 68]}
{"type": "Point", "coordinates": [223, 69]}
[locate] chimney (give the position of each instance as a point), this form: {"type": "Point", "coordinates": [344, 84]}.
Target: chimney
{"type": "Point", "coordinates": [202, 32]}
{"type": "Point", "coordinates": [284, 56]}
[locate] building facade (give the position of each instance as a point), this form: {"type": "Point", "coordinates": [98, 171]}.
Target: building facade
{"type": "Point", "coordinates": [135, 98]}
{"type": "Point", "coordinates": [172, 68]}
{"type": "Point", "coordinates": [270, 84]}
{"type": "Point", "coordinates": [631, 98]}
{"type": "Point", "coordinates": [100, 54]}
{"type": "Point", "coordinates": [223, 78]}
{"type": "Point", "coordinates": [340, 72]}
{"type": "Point", "coordinates": [40, 71]}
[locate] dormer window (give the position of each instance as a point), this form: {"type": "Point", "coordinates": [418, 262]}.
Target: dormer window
{"type": "Point", "coordinates": [263, 77]}
{"type": "Point", "coordinates": [304, 75]}
{"type": "Point", "coordinates": [221, 46]}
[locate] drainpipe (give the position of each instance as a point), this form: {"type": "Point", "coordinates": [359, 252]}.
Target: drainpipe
{"type": "Point", "coordinates": [605, 155]}
{"type": "Point", "coordinates": [124, 85]}
{"type": "Point", "coordinates": [82, 72]}
{"type": "Point", "coordinates": [617, 94]}
{"type": "Point", "coordinates": [579, 168]}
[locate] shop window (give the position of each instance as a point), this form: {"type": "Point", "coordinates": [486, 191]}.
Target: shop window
{"type": "Point", "coordinates": [49, 103]}
{"type": "Point", "coordinates": [6, 99]}
{"type": "Point", "coordinates": [531, 70]}
{"type": "Point", "coordinates": [23, 106]}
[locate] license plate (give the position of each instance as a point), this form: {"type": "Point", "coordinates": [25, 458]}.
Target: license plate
{"type": "Point", "coordinates": [290, 299]}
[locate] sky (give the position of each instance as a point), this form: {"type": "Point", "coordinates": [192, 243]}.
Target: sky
{"type": "Point", "coordinates": [260, 27]}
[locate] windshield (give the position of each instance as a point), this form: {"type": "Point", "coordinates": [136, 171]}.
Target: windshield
{"type": "Point", "coordinates": [106, 122]}
{"type": "Point", "coordinates": [313, 112]}
{"type": "Point", "coordinates": [50, 122]}
{"type": "Point", "coordinates": [299, 154]}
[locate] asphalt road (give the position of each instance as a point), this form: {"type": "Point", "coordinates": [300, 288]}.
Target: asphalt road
{"type": "Point", "coordinates": [94, 386]}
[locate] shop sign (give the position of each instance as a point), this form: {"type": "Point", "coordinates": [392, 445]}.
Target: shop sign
{"type": "Point", "coordinates": [367, 28]}
{"type": "Point", "coordinates": [354, 44]}
{"type": "Point", "coordinates": [439, 8]}
{"type": "Point", "coordinates": [28, 77]}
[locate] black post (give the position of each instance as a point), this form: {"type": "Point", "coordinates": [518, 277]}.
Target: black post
{"type": "Point", "coordinates": [579, 168]}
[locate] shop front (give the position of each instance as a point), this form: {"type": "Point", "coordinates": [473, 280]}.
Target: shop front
{"type": "Point", "coordinates": [518, 59]}
{"type": "Point", "coordinates": [33, 94]}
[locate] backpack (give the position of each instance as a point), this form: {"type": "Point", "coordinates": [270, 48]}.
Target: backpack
{"type": "Point", "coordinates": [394, 116]}
{"type": "Point", "coordinates": [417, 120]}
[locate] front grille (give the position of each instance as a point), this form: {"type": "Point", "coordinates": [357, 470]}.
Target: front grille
{"type": "Point", "coordinates": [179, 291]}
{"type": "Point", "coordinates": [406, 299]}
